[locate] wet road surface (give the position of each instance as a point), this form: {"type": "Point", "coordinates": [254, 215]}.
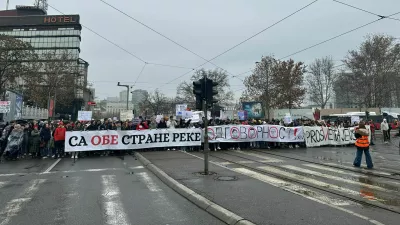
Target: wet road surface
{"type": "Point", "coordinates": [103, 190]}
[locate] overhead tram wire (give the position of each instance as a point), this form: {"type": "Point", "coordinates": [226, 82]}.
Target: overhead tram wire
{"type": "Point", "coordinates": [141, 71]}
{"type": "Point", "coordinates": [366, 11]}
{"type": "Point", "coordinates": [332, 38]}
{"type": "Point", "coordinates": [123, 49]}
{"type": "Point", "coordinates": [162, 35]}
{"type": "Point", "coordinates": [207, 61]}
{"type": "Point", "coordinates": [274, 24]}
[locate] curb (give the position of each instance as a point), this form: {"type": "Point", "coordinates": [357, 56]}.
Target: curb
{"type": "Point", "coordinates": [214, 209]}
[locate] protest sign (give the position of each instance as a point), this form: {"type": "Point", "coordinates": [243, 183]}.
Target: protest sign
{"type": "Point", "coordinates": [5, 106]}
{"type": "Point", "coordinates": [158, 118]}
{"type": "Point", "coordinates": [84, 115]}
{"type": "Point", "coordinates": [355, 119]}
{"type": "Point", "coordinates": [136, 121]}
{"type": "Point", "coordinates": [127, 140]}
{"type": "Point", "coordinates": [125, 115]}
{"type": "Point", "coordinates": [247, 133]}
{"type": "Point", "coordinates": [287, 119]}
{"type": "Point", "coordinates": [254, 110]}
{"type": "Point", "coordinates": [320, 136]}
{"type": "Point", "coordinates": [180, 108]}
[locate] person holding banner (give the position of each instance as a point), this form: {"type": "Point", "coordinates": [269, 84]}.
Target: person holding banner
{"type": "Point", "coordinates": [362, 144]}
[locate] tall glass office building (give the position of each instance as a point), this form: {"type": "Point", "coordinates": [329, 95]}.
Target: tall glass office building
{"type": "Point", "coordinates": [50, 33]}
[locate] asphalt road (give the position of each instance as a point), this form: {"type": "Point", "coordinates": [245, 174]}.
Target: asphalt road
{"type": "Point", "coordinates": [101, 190]}
{"type": "Point", "coordinates": [271, 189]}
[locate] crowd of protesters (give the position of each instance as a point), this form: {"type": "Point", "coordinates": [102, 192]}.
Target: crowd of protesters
{"type": "Point", "coordinates": [45, 139]}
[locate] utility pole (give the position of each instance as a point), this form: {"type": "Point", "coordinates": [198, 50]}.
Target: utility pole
{"type": "Point", "coordinates": [127, 94]}
{"type": "Point", "coordinates": [8, 2]}
{"type": "Point", "coordinates": [267, 84]}
{"type": "Point", "coordinates": [206, 146]}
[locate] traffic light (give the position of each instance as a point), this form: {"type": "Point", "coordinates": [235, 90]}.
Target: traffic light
{"type": "Point", "coordinates": [211, 92]}
{"type": "Point", "coordinates": [367, 114]}
{"type": "Point", "coordinates": [198, 91]}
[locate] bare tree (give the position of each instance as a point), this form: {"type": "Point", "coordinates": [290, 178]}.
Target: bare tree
{"type": "Point", "coordinates": [56, 78]}
{"type": "Point", "coordinates": [156, 103]}
{"type": "Point", "coordinates": [258, 85]}
{"type": "Point", "coordinates": [185, 89]}
{"type": "Point", "coordinates": [376, 63]}
{"type": "Point", "coordinates": [320, 81]}
{"type": "Point", "coordinates": [17, 59]}
{"type": "Point", "coordinates": [348, 92]}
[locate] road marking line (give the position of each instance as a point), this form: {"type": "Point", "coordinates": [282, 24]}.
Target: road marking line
{"type": "Point", "coordinates": [2, 184]}
{"type": "Point", "coordinates": [248, 162]}
{"type": "Point", "coordinates": [315, 173]}
{"type": "Point", "coordinates": [296, 189]}
{"type": "Point", "coordinates": [69, 171]}
{"type": "Point", "coordinates": [52, 166]}
{"type": "Point", "coordinates": [136, 167]}
{"type": "Point", "coordinates": [308, 197]}
{"type": "Point", "coordinates": [12, 174]}
{"type": "Point", "coordinates": [314, 182]}
{"type": "Point", "coordinates": [269, 159]}
{"type": "Point", "coordinates": [168, 208]}
{"type": "Point", "coordinates": [14, 206]}
{"type": "Point", "coordinates": [149, 182]}
{"type": "Point", "coordinates": [345, 172]}
{"type": "Point", "coordinates": [115, 214]}
{"type": "Point", "coordinates": [353, 168]}
{"type": "Point", "coordinates": [71, 196]}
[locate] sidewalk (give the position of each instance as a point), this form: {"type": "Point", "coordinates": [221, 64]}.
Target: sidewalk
{"type": "Point", "coordinates": [249, 198]}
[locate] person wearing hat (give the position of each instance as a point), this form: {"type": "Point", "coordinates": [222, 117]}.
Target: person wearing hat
{"type": "Point", "coordinates": [362, 144]}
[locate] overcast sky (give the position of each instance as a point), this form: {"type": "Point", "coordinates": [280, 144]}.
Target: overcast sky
{"type": "Point", "coordinates": [208, 28]}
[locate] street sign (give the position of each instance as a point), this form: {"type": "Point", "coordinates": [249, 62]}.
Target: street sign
{"type": "Point", "coordinates": [5, 106]}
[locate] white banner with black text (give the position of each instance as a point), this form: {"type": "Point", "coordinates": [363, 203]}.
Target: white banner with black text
{"type": "Point", "coordinates": [321, 136]}
{"type": "Point", "coordinates": [248, 133]}
{"type": "Point", "coordinates": [76, 141]}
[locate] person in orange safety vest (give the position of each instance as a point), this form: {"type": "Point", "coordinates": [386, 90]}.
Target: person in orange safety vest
{"type": "Point", "coordinates": [362, 144]}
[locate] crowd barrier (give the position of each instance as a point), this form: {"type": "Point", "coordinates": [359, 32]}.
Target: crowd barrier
{"type": "Point", "coordinates": [166, 138]}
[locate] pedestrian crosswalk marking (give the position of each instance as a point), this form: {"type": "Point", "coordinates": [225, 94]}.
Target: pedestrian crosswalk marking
{"type": "Point", "coordinates": [115, 213]}
{"type": "Point", "coordinates": [248, 162]}
{"type": "Point", "coordinates": [344, 172]}
{"type": "Point", "coordinates": [270, 159]}
{"type": "Point", "coordinates": [148, 182]}
{"type": "Point", "coordinates": [312, 181]}
{"type": "Point", "coordinates": [160, 198]}
{"type": "Point", "coordinates": [14, 206]}
{"type": "Point", "coordinates": [296, 189]}
{"type": "Point", "coordinates": [352, 168]}
{"type": "Point", "coordinates": [305, 196]}
{"type": "Point", "coordinates": [306, 171]}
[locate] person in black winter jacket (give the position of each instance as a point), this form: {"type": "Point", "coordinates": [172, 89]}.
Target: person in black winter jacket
{"type": "Point", "coordinates": [162, 124]}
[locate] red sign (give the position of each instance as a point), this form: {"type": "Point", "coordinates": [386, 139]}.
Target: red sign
{"type": "Point", "coordinates": [51, 107]}
{"type": "Point", "coordinates": [92, 103]}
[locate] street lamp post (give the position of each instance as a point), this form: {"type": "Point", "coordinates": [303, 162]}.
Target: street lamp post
{"type": "Point", "coordinates": [127, 93]}
{"type": "Point", "coordinates": [267, 84]}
